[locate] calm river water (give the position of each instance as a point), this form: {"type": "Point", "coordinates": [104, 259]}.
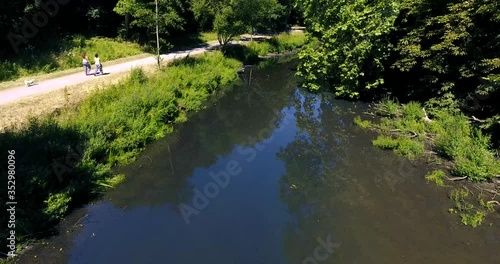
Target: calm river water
{"type": "Point", "coordinates": [274, 174]}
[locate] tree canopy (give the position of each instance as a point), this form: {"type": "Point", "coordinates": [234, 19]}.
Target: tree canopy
{"type": "Point", "coordinates": [444, 52]}
{"type": "Point", "coordinates": [234, 17]}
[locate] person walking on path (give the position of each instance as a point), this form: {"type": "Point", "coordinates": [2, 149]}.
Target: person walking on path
{"type": "Point", "coordinates": [86, 63]}
{"type": "Point", "coordinates": [98, 65]}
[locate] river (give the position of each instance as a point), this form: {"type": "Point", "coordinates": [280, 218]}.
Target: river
{"type": "Point", "coordinates": [272, 174]}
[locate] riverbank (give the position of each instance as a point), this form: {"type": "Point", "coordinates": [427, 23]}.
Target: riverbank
{"type": "Point", "coordinates": [447, 138]}
{"type": "Point", "coordinates": [84, 141]}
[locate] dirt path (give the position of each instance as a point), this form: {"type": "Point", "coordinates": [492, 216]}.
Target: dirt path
{"type": "Point", "coordinates": [47, 86]}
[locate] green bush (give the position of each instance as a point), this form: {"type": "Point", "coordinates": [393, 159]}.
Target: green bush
{"type": "Point", "coordinates": [385, 142]}
{"type": "Point", "coordinates": [436, 176]}
{"type": "Point", "coordinates": [387, 107]}
{"type": "Point", "coordinates": [57, 204]}
{"type": "Point", "coordinates": [455, 135]}
{"type": "Point", "coordinates": [413, 111]}
{"type": "Point", "coordinates": [406, 147]}
{"type": "Point", "coordinates": [362, 123]}
{"type": "Point", "coordinates": [409, 148]}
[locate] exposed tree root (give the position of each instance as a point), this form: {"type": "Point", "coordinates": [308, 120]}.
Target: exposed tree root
{"type": "Point", "coordinates": [493, 202]}
{"type": "Point", "coordinates": [74, 225]}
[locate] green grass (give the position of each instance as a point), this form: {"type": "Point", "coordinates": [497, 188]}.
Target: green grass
{"type": "Point", "coordinates": [436, 176]}
{"type": "Point", "coordinates": [208, 36]}
{"type": "Point", "coordinates": [109, 128]}
{"type": "Point", "coordinates": [64, 54]}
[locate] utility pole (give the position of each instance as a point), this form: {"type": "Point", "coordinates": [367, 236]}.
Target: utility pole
{"type": "Point", "coordinates": [157, 39]}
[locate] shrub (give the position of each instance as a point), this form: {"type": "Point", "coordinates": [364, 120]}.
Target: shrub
{"type": "Point", "coordinates": [362, 123]}
{"type": "Point", "coordinates": [387, 107]}
{"type": "Point", "coordinates": [436, 176]}
{"type": "Point", "coordinates": [385, 142]}
{"type": "Point", "coordinates": [413, 111]}
{"type": "Point", "coordinates": [57, 205]}
{"type": "Point", "coordinates": [406, 147]}
{"type": "Point", "coordinates": [409, 148]}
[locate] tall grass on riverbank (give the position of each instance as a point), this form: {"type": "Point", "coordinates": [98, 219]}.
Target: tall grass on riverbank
{"type": "Point", "coordinates": [249, 53]}
{"type": "Point", "coordinates": [64, 160]}
{"type": "Point", "coordinates": [406, 129]}
{"type": "Point", "coordinates": [64, 54]}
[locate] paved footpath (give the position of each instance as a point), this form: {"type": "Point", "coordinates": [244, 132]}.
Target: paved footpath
{"type": "Point", "coordinates": [17, 93]}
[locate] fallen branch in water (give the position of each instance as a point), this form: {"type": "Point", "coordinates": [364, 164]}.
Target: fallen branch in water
{"type": "Point", "coordinates": [491, 191]}
{"type": "Point", "coordinates": [457, 178]}
{"type": "Point", "coordinates": [74, 225]}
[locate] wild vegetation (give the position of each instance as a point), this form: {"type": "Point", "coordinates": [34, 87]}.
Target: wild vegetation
{"type": "Point", "coordinates": [443, 136]}
{"type": "Point", "coordinates": [441, 55]}
{"type": "Point", "coordinates": [110, 127]}
{"type": "Point", "coordinates": [121, 28]}
{"type": "Point", "coordinates": [407, 129]}
{"type": "Point", "coordinates": [443, 52]}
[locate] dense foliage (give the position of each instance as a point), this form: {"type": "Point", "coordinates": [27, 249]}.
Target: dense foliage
{"type": "Point", "coordinates": [447, 52]}
{"type": "Point", "coordinates": [353, 43]}
{"type": "Point", "coordinates": [234, 17]}
{"type": "Point", "coordinates": [31, 24]}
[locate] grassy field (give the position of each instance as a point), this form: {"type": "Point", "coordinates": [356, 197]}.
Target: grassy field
{"type": "Point", "coordinates": [59, 56]}
{"type": "Point", "coordinates": [64, 54]}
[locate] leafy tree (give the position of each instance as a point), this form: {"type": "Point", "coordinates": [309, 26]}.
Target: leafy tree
{"type": "Point", "coordinates": [144, 15]}
{"type": "Point", "coordinates": [233, 17]}
{"type": "Point", "coordinates": [225, 17]}
{"type": "Point", "coordinates": [449, 50]}
{"type": "Point", "coordinates": [259, 13]}
{"type": "Point", "coordinates": [353, 43]}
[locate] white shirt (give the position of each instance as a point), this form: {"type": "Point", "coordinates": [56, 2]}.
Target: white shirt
{"type": "Point", "coordinates": [97, 61]}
